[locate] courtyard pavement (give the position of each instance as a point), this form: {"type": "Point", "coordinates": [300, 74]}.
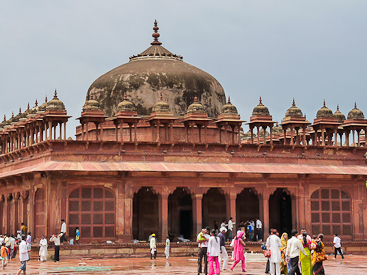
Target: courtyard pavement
{"type": "Point", "coordinates": [255, 264]}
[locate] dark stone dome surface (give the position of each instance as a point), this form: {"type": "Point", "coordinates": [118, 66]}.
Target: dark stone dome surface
{"type": "Point", "coordinates": [146, 79]}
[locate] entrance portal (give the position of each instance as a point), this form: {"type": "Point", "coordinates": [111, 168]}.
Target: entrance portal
{"type": "Point", "coordinates": [145, 214]}
{"type": "Point", "coordinates": [280, 211]}
{"type": "Point", "coordinates": [214, 207]}
{"type": "Point", "coordinates": [180, 214]}
{"type": "Point", "coordinates": [247, 205]}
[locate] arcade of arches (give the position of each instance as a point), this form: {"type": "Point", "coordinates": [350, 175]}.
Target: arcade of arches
{"type": "Point", "coordinates": [126, 211]}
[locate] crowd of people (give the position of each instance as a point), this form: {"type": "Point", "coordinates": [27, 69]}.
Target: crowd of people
{"type": "Point", "coordinates": [24, 241]}
{"type": "Point", "coordinates": [286, 253]}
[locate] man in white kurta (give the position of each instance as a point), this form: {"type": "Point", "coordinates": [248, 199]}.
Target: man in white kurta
{"type": "Point", "coordinates": [43, 249]}
{"type": "Point", "coordinates": [273, 243]}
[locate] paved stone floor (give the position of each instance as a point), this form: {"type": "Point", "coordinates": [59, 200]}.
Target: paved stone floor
{"type": "Point", "coordinates": [255, 264]}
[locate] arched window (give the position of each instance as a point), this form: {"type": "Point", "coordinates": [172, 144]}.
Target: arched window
{"type": "Point", "coordinates": [92, 210]}
{"type": "Point", "coordinates": [331, 212]}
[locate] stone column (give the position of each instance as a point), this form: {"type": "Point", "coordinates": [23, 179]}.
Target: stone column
{"type": "Point", "coordinates": [64, 131]}
{"type": "Point", "coordinates": [164, 215]}
{"type": "Point", "coordinates": [265, 208]}
{"type": "Point", "coordinates": [271, 134]}
{"type": "Point", "coordinates": [197, 200]}
{"type": "Point", "coordinates": [231, 207]}
{"type": "Point", "coordinates": [128, 222]}
{"type": "Point", "coordinates": [50, 129]}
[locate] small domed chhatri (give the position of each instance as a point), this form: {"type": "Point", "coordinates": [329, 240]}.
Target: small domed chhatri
{"type": "Point", "coordinates": [261, 109]}
{"type": "Point", "coordinates": [355, 113]}
{"type": "Point", "coordinates": [55, 104]}
{"type": "Point", "coordinates": [126, 105]}
{"type": "Point", "coordinates": [339, 115]}
{"type": "Point", "coordinates": [324, 112]}
{"type": "Point", "coordinates": [294, 111]}
{"type": "Point", "coordinates": [42, 108]}
{"type": "Point", "coordinates": [161, 107]}
{"type": "Point", "coordinates": [196, 107]}
{"type": "Point", "coordinates": [92, 105]}
{"type": "Point", "coordinates": [229, 108]}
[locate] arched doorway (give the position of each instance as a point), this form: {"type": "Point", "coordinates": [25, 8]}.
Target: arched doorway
{"type": "Point", "coordinates": [247, 206]}
{"type": "Point", "coordinates": [92, 209]}
{"type": "Point", "coordinates": [180, 213]}
{"type": "Point", "coordinates": [214, 207]}
{"type": "Point", "coordinates": [145, 214]}
{"type": "Point", "coordinates": [40, 213]}
{"type": "Point", "coordinates": [331, 213]}
{"type": "Point", "coordinates": [280, 211]}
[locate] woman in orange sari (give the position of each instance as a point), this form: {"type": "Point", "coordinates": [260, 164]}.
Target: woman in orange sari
{"type": "Point", "coordinates": [319, 255]}
{"type": "Point", "coordinates": [283, 251]}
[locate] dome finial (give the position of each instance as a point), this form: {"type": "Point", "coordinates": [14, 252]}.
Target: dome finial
{"type": "Point", "coordinates": [36, 103]}
{"type": "Point", "coordinates": [294, 102]}
{"type": "Point", "coordinates": [20, 110]}
{"type": "Point", "coordinates": [4, 117]}
{"type": "Point", "coordinates": [337, 107]}
{"type": "Point", "coordinates": [156, 34]}
{"type": "Point", "coordinates": [229, 100]}
{"type": "Point", "coordinates": [355, 105]}
{"type": "Point", "coordinates": [260, 101]}
{"type": "Point", "coordinates": [46, 99]}
{"type": "Point", "coordinates": [324, 103]}
{"type": "Point", "coordinates": [28, 106]}
{"type": "Point", "coordinates": [55, 96]}
{"type": "Point", "coordinates": [12, 114]}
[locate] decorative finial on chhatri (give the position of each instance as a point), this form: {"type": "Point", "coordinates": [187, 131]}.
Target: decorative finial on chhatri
{"type": "Point", "coordinates": [4, 117]}
{"type": "Point", "coordinates": [196, 99]}
{"type": "Point", "coordinates": [324, 104]}
{"type": "Point", "coordinates": [229, 100]}
{"type": "Point", "coordinates": [294, 103]}
{"type": "Point", "coordinates": [355, 105]}
{"type": "Point", "coordinates": [46, 99]}
{"type": "Point", "coordinates": [260, 101]}
{"type": "Point", "coordinates": [337, 107]}
{"type": "Point", "coordinates": [12, 114]}
{"type": "Point", "coordinates": [55, 96]}
{"type": "Point", "coordinates": [156, 34]}
{"type": "Point", "coordinates": [36, 103]}
{"type": "Point", "coordinates": [28, 106]}
{"type": "Point", "coordinates": [20, 110]}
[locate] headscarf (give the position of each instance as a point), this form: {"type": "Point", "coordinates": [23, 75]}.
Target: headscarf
{"type": "Point", "coordinates": [283, 240]}
{"type": "Point", "coordinates": [238, 248]}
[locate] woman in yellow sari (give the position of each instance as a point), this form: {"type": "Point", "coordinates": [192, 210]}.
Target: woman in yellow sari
{"type": "Point", "coordinates": [306, 260]}
{"type": "Point", "coordinates": [283, 251]}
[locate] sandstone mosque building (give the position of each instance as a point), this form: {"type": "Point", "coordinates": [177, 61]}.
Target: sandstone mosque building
{"type": "Point", "coordinates": [160, 149]}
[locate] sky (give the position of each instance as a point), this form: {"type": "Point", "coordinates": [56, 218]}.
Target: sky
{"type": "Point", "coordinates": [307, 50]}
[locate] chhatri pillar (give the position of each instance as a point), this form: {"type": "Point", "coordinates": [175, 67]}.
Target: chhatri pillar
{"type": "Point", "coordinates": [294, 120]}
{"type": "Point", "coordinates": [229, 117]}
{"type": "Point", "coordinates": [261, 118]}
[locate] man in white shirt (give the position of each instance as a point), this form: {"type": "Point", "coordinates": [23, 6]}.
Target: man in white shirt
{"type": "Point", "coordinates": [337, 246]}
{"type": "Point", "coordinates": [294, 245]}
{"type": "Point", "coordinates": [11, 247]}
{"type": "Point", "coordinates": [153, 247]}
{"type": "Point", "coordinates": [202, 239]}
{"type": "Point", "coordinates": [56, 239]}
{"type": "Point", "coordinates": [230, 229]}
{"type": "Point", "coordinates": [63, 231]}
{"type": "Point", "coordinates": [259, 226]}
{"type": "Point", "coordinates": [23, 256]}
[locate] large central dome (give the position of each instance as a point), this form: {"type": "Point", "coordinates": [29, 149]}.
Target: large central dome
{"type": "Point", "coordinates": [154, 72]}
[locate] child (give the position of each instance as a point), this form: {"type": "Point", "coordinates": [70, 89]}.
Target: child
{"type": "Point", "coordinates": [168, 244]}
{"type": "Point", "coordinates": [4, 255]}
{"type": "Point", "coordinates": [77, 235]}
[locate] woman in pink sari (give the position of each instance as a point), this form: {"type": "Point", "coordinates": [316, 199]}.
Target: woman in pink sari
{"type": "Point", "coordinates": [238, 251]}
